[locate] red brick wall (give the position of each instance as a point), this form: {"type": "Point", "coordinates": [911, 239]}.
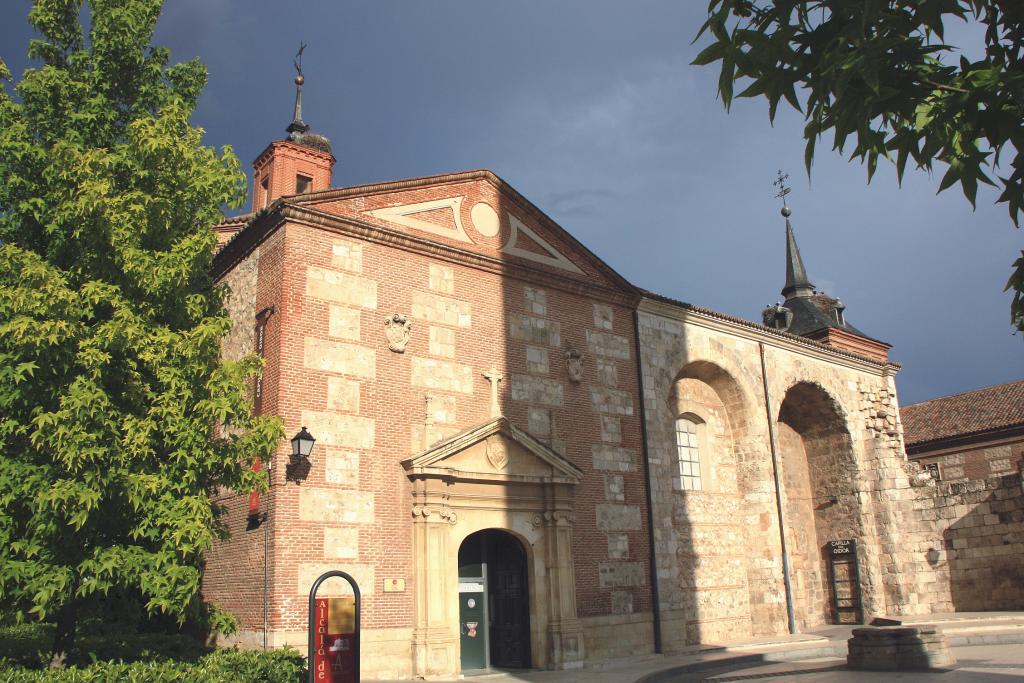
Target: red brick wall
{"type": "Point", "coordinates": [279, 165]}
{"type": "Point", "coordinates": [977, 461]}
{"type": "Point", "coordinates": [390, 402]}
{"type": "Point", "coordinates": [234, 574]}
{"type": "Point", "coordinates": [394, 405]}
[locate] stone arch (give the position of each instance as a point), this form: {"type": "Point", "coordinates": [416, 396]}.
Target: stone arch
{"type": "Point", "coordinates": [818, 467]}
{"type": "Point", "coordinates": [729, 391]}
{"type": "Point", "coordinates": [707, 600]}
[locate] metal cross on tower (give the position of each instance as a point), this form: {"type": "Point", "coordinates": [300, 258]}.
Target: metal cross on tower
{"type": "Point", "coordinates": [298, 58]}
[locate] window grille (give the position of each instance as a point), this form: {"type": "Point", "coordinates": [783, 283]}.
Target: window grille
{"type": "Point", "coordinates": [689, 456]}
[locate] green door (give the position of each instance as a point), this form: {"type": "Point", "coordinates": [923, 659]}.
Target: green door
{"type": "Point", "coordinates": [473, 624]}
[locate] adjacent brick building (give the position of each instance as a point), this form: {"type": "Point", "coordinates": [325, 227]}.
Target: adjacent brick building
{"type": "Point", "coordinates": [501, 418]}
{"type": "Point", "coordinates": [968, 436]}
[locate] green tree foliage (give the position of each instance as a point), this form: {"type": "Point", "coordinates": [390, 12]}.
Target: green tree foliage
{"type": "Point", "coordinates": [118, 418]}
{"type": "Point", "coordinates": [877, 75]}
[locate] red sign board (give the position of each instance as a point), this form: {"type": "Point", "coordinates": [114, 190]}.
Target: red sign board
{"type": "Point", "coordinates": [334, 642]}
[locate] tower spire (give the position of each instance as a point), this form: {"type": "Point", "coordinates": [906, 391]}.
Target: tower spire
{"type": "Point", "coordinates": [300, 163]}
{"type": "Point", "coordinates": [797, 284]}
{"type": "Point", "coordinates": [298, 126]}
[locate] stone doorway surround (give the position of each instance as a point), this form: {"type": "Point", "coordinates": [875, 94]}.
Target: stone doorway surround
{"type": "Point", "coordinates": [493, 476]}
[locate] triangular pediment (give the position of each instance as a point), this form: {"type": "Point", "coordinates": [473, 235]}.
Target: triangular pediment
{"type": "Point", "coordinates": [474, 212]}
{"type": "Point", "coordinates": [494, 450]}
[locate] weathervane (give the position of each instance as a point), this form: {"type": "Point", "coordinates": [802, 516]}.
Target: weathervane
{"type": "Point", "coordinates": [298, 59]}
{"type": "Point", "coordinates": [780, 182]}
{"type": "Point", "coordinates": [297, 127]}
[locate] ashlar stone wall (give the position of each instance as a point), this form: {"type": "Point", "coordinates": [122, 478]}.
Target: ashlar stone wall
{"type": "Point", "coordinates": [969, 544]}
{"type": "Point", "coordinates": [718, 549]}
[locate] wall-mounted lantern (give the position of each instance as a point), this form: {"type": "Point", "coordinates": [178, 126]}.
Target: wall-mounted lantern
{"type": "Point", "coordinates": [302, 446]}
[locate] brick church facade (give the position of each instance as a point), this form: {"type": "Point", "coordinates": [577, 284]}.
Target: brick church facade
{"type": "Point", "coordinates": [496, 409]}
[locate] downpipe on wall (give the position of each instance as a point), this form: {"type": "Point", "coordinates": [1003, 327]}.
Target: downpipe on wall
{"type": "Point", "coordinates": [791, 617]}
{"type": "Point", "coordinates": [653, 556]}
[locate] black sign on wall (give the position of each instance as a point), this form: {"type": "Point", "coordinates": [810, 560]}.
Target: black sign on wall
{"type": "Point", "coordinates": [844, 575]}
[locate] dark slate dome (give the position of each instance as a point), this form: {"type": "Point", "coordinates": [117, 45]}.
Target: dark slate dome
{"type": "Point", "coordinates": [311, 140]}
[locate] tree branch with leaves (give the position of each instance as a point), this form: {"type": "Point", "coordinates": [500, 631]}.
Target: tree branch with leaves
{"type": "Point", "coordinates": [877, 76]}
{"type": "Point", "coordinates": [118, 417]}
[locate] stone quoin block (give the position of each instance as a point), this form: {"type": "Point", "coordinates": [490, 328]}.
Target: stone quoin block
{"type": "Point", "coordinates": [332, 429]}
{"type": "Point", "coordinates": [606, 344]}
{"type": "Point", "coordinates": [535, 330]}
{"type": "Point", "coordinates": [613, 458]}
{"type": "Point", "coordinates": [612, 401]}
{"type": "Point", "coordinates": [341, 543]}
{"type": "Point", "coordinates": [335, 506]}
{"type": "Point", "coordinates": [340, 357]}
{"type": "Point", "coordinates": [441, 309]}
{"type": "Point", "coordinates": [537, 390]}
{"type": "Point", "coordinates": [347, 256]}
{"type": "Point", "coordinates": [431, 373]}
{"type": "Point", "coordinates": [621, 574]}
{"type": "Point", "coordinates": [339, 287]}
{"type": "Point", "coordinates": [617, 517]}
{"type": "Point", "coordinates": [344, 322]}
{"type": "Point", "coordinates": [442, 279]}
{"type": "Point", "coordinates": [343, 394]}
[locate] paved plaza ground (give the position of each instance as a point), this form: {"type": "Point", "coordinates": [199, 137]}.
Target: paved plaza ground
{"type": "Point", "coordinates": [980, 663]}
{"type": "Point", "coordinates": [989, 647]}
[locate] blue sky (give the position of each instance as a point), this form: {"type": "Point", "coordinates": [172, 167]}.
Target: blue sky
{"type": "Point", "coordinates": [591, 110]}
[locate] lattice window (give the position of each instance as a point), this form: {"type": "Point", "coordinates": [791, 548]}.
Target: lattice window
{"type": "Point", "coordinates": [688, 452]}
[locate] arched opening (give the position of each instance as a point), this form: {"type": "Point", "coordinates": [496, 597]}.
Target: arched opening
{"type": "Point", "coordinates": [819, 504]}
{"type": "Point", "coordinates": [699, 502]}
{"type": "Point", "coordinates": [494, 605]}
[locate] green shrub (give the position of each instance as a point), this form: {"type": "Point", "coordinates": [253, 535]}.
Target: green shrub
{"type": "Point", "coordinates": [220, 666]}
{"type": "Point", "coordinates": [28, 645]}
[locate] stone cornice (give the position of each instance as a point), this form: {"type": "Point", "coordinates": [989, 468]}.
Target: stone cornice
{"type": "Point", "coordinates": [296, 148]}
{"type": "Point", "coordinates": [719, 322]}
{"type": "Point", "coordinates": [282, 212]}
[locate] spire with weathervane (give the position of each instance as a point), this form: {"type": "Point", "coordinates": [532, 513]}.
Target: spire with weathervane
{"type": "Point", "coordinates": [299, 164]}
{"type": "Point", "coordinates": [797, 283]}
{"type": "Point", "coordinates": [297, 127]}
{"type": "Point", "coordinates": [807, 312]}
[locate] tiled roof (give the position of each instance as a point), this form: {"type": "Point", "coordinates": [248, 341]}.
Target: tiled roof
{"type": "Point", "coordinates": [974, 412]}
{"type": "Point", "coordinates": [232, 221]}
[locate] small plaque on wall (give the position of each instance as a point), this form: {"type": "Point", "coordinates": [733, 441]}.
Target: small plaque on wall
{"type": "Point", "coordinates": [394, 585]}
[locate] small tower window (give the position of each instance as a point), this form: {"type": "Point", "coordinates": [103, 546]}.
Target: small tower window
{"type": "Point", "coordinates": [688, 453]}
{"type": "Point", "coordinates": [265, 187]}
{"type": "Point", "coordinates": [302, 184]}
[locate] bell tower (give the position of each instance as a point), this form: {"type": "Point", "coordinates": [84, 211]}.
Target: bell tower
{"type": "Point", "coordinates": [300, 163]}
{"type": "Point", "coordinates": [809, 312]}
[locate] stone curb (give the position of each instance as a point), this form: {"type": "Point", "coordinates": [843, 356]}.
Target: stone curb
{"type": "Point", "coordinates": [836, 649]}
{"type": "Point", "coordinates": [1009, 638]}
{"type": "Point", "coordinates": [666, 675]}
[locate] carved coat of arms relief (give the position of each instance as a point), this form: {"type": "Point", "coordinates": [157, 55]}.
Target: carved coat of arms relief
{"type": "Point", "coordinates": [497, 452]}
{"type": "Point", "coordinates": [398, 331]}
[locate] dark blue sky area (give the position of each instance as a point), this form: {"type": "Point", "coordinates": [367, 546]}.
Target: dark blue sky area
{"type": "Point", "coordinates": [591, 110]}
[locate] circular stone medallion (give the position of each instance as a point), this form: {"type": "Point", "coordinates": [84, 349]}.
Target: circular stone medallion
{"type": "Point", "coordinates": [485, 219]}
